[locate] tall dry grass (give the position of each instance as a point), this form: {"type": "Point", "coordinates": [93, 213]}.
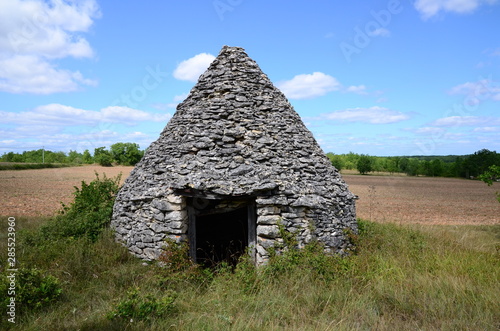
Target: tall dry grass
{"type": "Point", "coordinates": [402, 278]}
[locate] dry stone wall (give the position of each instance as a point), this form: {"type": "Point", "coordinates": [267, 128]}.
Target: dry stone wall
{"type": "Point", "coordinates": [235, 135]}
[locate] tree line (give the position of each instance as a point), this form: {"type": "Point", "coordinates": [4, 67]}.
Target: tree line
{"type": "Point", "coordinates": [129, 154]}
{"type": "Point", "coordinates": [120, 153]}
{"type": "Point", "coordinates": [466, 166]}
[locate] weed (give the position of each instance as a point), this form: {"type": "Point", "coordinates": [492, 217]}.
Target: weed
{"type": "Point", "coordinates": [140, 306]}
{"type": "Point", "coordinates": [33, 289]}
{"type": "Point", "coordinates": [178, 267]}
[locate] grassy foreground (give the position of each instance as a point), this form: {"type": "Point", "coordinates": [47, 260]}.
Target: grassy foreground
{"type": "Point", "coordinates": [401, 278]}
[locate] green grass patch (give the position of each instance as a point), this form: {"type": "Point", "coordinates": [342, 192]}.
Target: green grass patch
{"type": "Point", "coordinates": [402, 277]}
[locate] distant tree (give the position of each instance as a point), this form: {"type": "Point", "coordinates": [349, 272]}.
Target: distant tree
{"type": "Point", "coordinates": [350, 160]}
{"type": "Point", "coordinates": [437, 167]}
{"type": "Point", "coordinates": [392, 164]}
{"type": "Point", "coordinates": [87, 158]}
{"type": "Point", "coordinates": [426, 168]}
{"type": "Point", "coordinates": [103, 157]}
{"type": "Point", "coordinates": [479, 162]}
{"type": "Point", "coordinates": [414, 167]}
{"type": "Point", "coordinates": [126, 153]}
{"type": "Point", "coordinates": [364, 164]}
{"type": "Point", "coordinates": [55, 157]}
{"type": "Point", "coordinates": [336, 160]}
{"type": "Point", "coordinates": [378, 163]}
{"type": "Point", "coordinates": [16, 157]}
{"type": "Point", "coordinates": [403, 164]}
{"type": "Point", "coordinates": [75, 157]}
{"type": "Point", "coordinates": [12, 157]}
{"type": "Point", "coordinates": [456, 167]}
{"type": "Point", "coordinates": [34, 156]}
{"type": "Point", "coordinates": [448, 169]}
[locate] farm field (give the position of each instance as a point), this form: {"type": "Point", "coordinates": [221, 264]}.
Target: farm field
{"type": "Point", "coordinates": [40, 192]}
{"type": "Point", "coordinates": [381, 198]}
{"type": "Point", "coordinates": [425, 200]}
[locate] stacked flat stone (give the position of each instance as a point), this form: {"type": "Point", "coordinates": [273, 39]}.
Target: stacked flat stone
{"type": "Point", "coordinates": [235, 134]}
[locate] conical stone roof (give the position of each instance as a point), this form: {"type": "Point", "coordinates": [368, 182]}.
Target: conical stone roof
{"type": "Point", "coordinates": [236, 134]}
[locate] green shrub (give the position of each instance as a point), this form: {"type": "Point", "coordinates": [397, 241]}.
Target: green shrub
{"type": "Point", "coordinates": [143, 307]}
{"type": "Point", "coordinates": [34, 289]}
{"type": "Point", "coordinates": [99, 194]}
{"type": "Point", "coordinates": [311, 258]}
{"type": "Point", "coordinates": [103, 157]}
{"type": "Point", "coordinates": [86, 216]}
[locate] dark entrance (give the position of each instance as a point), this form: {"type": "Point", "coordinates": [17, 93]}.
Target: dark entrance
{"type": "Point", "coordinates": [220, 230]}
{"type": "Point", "coordinates": [221, 237]}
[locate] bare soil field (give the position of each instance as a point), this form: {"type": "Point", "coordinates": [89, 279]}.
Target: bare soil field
{"type": "Point", "coordinates": [40, 192]}
{"type": "Point", "coordinates": [424, 200]}
{"type": "Point", "coordinates": [381, 198]}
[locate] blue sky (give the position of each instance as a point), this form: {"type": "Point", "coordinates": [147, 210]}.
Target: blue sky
{"type": "Point", "coordinates": [375, 77]}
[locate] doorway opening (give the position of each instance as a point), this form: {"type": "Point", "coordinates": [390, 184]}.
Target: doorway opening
{"type": "Point", "coordinates": [220, 230]}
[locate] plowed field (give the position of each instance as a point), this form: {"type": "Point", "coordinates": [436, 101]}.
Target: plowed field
{"type": "Point", "coordinates": [425, 200]}
{"type": "Point", "coordinates": [40, 192]}
{"type": "Point", "coordinates": [381, 198]}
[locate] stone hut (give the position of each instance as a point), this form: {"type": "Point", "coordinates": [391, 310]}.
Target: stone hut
{"type": "Point", "coordinates": [233, 163]}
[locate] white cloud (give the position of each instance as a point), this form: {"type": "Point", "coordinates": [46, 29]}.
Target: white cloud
{"type": "Point", "coordinates": [176, 100]}
{"type": "Point", "coordinates": [130, 116]}
{"type": "Point", "coordinates": [483, 89]}
{"type": "Point", "coordinates": [60, 115]}
{"type": "Point", "coordinates": [33, 33]}
{"type": "Point", "coordinates": [382, 99]}
{"type": "Point", "coordinates": [429, 8]}
{"type": "Point", "coordinates": [180, 97]}
{"type": "Point", "coordinates": [164, 105]}
{"type": "Point", "coordinates": [61, 127]}
{"type": "Point", "coordinates": [360, 89]}
{"type": "Point", "coordinates": [495, 52]}
{"type": "Point", "coordinates": [31, 74]}
{"type": "Point", "coordinates": [192, 68]}
{"type": "Point", "coordinates": [479, 121]}
{"type": "Point", "coordinates": [307, 86]}
{"type": "Point", "coordinates": [380, 32]}
{"type": "Point", "coordinates": [429, 130]}
{"type": "Point", "coordinates": [487, 129]}
{"type": "Point", "coordinates": [453, 136]}
{"type": "Point", "coordinates": [372, 115]}
{"type": "Point", "coordinates": [482, 64]}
